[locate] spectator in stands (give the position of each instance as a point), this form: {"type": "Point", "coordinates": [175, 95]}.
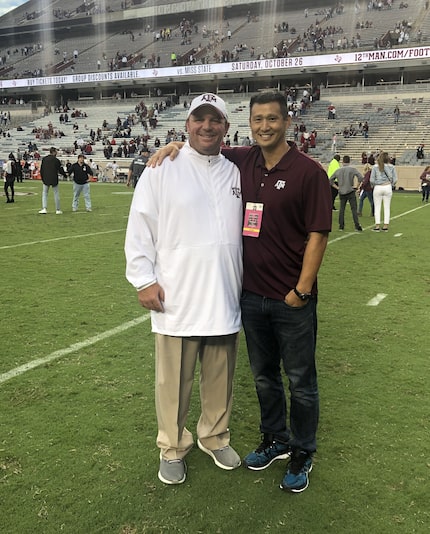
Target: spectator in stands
{"type": "Point", "coordinates": [50, 168]}
{"type": "Point", "coordinates": [365, 129]}
{"type": "Point", "coordinates": [81, 173]}
{"type": "Point", "coordinates": [345, 177]}
{"type": "Point", "coordinates": [107, 151]}
{"type": "Point", "coordinates": [425, 183]}
{"type": "Point", "coordinates": [396, 114]}
{"type": "Point", "coordinates": [383, 179]}
{"type": "Point", "coordinates": [334, 143]}
{"type": "Point", "coordinates": [420, 151]}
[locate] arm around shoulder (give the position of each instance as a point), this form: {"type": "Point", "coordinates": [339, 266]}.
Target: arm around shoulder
{"type": "Point", "coordinates": [171, 150]}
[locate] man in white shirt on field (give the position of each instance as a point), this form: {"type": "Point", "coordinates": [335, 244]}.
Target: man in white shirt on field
{"type": "Point", "coordinates": [184, 257]}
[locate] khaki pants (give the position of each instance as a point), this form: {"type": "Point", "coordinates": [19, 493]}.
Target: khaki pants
{"type": "Point", "coordinates": [175, 362]}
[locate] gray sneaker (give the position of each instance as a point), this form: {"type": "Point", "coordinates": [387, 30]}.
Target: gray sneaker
{"type": "Point", "coordinates": [172, 471]}
{"type": "Point", "coordinates": [226, 458]}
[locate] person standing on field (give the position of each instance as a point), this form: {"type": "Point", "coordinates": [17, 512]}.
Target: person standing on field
{"type": "Point", "coordinates": [49, 170]}
{"type": "Point", "coordinates": [344, 177]}
{"type": "Point", "coordinates": [137, 166]}
{"type": "Point", "coordinates": [288, 211]}
{"type": "Point", "coordinates": [10, 173]}
{"type": "Point", "coordinates": [183, 249]}
{"type": "Point", "coordinates": [332, 167]}
{"type": "Point", "coordinates": [81, 173]}
{"type": "Point", "coordinates": [383, 179]}
{"type": "Point", "coordinates": [425, 183]}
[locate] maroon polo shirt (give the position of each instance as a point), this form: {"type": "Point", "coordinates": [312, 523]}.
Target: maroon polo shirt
{"type": "Point", "coordinates": [297, 200]}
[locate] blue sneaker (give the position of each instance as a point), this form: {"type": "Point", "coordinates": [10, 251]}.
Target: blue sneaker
{"type": "Point", "coordinates": [296, 478]}
{"type": "Point", "coordinates": [267, 452]}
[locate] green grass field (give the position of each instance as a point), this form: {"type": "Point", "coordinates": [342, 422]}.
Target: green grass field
{"type": "Point", "coordinates": [77, 439]}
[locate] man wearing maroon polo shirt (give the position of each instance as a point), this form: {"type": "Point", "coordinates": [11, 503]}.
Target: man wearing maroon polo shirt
{"type": "Point", "coordinates": [288, 213]}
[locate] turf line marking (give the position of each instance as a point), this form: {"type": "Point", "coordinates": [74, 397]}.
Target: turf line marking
{"type": "Point", "coordinates": [377, 299]}
{"type": "Point", "coordinates": [60, 239]}
{"type": "Point", "coordinates": [349, 234]}
{"type": "Point", "coordinates": [73, 348]}
{"type": "Point", "coordinates": [407, 212]}
{"type": "Point", "coordinates": [5, 247]}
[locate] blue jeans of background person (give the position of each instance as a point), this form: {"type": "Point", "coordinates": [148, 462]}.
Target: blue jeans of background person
{"type": "Point", "coordinates": [363, 195]}
{"type": "Point", "coordinates": [280, 334]}
{"type": "Point", "coordinates": [352, 199]}
{"type": "Point", "coordinates": [45, 196]}
{"type": "Point", "coordinates": [77, 190]}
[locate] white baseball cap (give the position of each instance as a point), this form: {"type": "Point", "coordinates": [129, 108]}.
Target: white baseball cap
{"type": "Point", "coordinates": [209, 99]}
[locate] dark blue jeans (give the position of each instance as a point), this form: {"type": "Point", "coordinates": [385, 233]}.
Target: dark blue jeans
{"type": "Point", "coordinates": [275, 333]}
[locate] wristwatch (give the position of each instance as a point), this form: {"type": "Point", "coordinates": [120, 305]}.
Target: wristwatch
{"type": "Point", "coordinates": [302, 296]}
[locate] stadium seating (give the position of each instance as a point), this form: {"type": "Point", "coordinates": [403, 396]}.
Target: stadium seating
{"type": "Point", "coordinates": [260, 34]}
{"type": "Point", "coordinates": [398, 139]}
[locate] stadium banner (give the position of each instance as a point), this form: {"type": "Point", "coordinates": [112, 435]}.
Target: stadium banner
{"type": "Point", "coordinates": [236, 67]}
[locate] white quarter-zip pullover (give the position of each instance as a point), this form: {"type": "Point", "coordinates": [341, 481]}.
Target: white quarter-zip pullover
{"type": "Point", "coordinates": [184, 231]}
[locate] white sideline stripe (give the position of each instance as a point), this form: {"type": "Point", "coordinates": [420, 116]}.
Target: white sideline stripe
{"type": "Point", "coordinates": [377, 299]}
{"type": "Point", "coordinates": [123, 229]}
{"type": "Point", "coordinates": [60, 239]}
{"type": "Point", "coordinates": [408, 212]}
{"type": "Point", "coordinates": [73, 348]}
{"type": "Point", "coordinates": [349, 234]}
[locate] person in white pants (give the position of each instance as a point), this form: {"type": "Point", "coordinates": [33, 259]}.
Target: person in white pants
{"type": "Point", "coordinates": [383, 178]}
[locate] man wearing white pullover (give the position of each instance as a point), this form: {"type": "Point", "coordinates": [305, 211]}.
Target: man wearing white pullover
{"type": "Point", "coordinates": [184, 257]}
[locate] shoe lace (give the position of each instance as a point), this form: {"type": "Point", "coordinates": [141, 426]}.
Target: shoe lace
{"type": "Point", "coordinates": [265, 444]}
{"type": "Point", "coordinates": [297, 462]}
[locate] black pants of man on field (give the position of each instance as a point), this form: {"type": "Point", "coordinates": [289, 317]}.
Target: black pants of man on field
{"type": "Point", "coordinates": [352, 199]}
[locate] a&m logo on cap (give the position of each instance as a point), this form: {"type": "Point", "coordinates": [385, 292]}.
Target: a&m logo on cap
{"type": "Point", "coordinates": [209, 98]}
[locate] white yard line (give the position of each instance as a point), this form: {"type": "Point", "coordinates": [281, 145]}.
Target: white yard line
{"type": "Point", "coordinates": [349, 234]}
{"type": "Point", "coordinates": [377, 299]}
{"type": "Point", "coordinates": [59, 239]}
{"type": "Point", "coordinates": [73, 348]}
